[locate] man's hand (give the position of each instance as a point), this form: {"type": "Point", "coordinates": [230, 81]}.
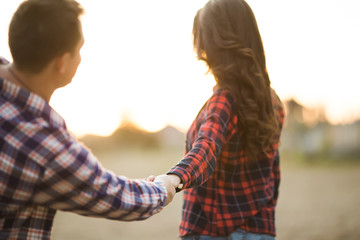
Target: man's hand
{"type": "Point", "coordinates": [171, 182]}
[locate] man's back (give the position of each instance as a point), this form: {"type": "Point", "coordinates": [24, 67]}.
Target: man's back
{"type": "Point", "coordinates": [23, 115]}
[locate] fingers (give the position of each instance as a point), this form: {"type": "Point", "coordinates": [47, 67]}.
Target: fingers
{"type": "Point", "coordinates": [170, 194]}
{"type": "Point", "coordinates": [173, 180]}
{"type": "Point", "coordinates": [151, 178]}
{"type": "Point", "coordinates": [170, 182]}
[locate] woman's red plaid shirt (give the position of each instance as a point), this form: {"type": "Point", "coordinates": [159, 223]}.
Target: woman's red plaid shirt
{"type": "Point", "coordinates": [223, 191]}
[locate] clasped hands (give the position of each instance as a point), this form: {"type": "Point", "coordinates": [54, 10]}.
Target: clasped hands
{"type": "Point", "coordinates": [170, 181]}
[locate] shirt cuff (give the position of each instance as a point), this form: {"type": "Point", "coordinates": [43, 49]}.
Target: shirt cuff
{"type": "Point", "coordinates": [164, 194]}
{"type": "Point", "coordinates": [184, 179]}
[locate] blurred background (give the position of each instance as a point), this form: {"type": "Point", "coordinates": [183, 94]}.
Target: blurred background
{"type": "Point", "coordinates": [139, 87]}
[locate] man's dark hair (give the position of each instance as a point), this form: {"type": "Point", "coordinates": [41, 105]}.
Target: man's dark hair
{"type": "Point", "coordinates": [41, 30]}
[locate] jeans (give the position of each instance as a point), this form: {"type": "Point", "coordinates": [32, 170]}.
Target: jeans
{"type": "Point", "coordinates": [237, 235]}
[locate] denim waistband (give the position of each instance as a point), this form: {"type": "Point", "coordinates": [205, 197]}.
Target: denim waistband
{"type": "Point", "coordinates": [239, 234]}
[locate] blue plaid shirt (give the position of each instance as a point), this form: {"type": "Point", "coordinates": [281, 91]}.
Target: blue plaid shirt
{"type": "Point", "coordinates": [43, 168]}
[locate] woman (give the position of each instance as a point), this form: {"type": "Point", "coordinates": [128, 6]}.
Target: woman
{"type": "Point", "coordinates": [230, 174]}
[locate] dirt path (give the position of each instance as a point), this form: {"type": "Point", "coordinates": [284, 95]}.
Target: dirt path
{"type": "Point", "coordinates": [315, 204]}
{"type": "Point", "coordinates": [319, 203]}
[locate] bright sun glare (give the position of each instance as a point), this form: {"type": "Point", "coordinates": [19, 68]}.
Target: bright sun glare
{"type": "Point", "coordinates": [138, 62]}
{"type": "Point", "coordinates": [140, 67]}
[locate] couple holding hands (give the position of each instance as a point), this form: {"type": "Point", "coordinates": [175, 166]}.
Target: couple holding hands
{"type": "Point", "coordinates": [230, 172]}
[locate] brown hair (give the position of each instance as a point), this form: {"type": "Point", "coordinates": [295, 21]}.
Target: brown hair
{"type": "Point", "coordinates": [41, 30]}
{"type": "Point", "coordinates": [227, 38]}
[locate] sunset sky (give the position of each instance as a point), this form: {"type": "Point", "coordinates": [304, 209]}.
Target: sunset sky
{"type": "Point", "coordinates": [138, 61]}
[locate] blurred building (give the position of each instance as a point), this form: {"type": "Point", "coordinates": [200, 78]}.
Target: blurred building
{"type": "Point", "coordinates": [307, 134]}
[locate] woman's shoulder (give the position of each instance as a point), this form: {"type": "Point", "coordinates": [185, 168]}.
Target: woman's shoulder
{"type": "Point", "coordinates": [223, 93]}
{"type": "Point", "coordinates": [278, 106]}
{"type": "Point", "coordinates": [221, 101]}
{"type": "Point", "coordinates": [276, 99]}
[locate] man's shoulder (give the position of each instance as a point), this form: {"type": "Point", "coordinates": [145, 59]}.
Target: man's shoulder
{"type": "Point", "coordinates": [24, 121]}
{"type": "Point", "coordinates": [33, 136]}
{"type": "Point", "coordinates": [3, 60]}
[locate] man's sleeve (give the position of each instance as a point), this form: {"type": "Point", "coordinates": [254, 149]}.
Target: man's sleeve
{"type": "Point", "coordinates": [75, 181]}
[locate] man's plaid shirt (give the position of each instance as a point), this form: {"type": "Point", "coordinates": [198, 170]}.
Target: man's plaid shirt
{"type": "Point", "coordinates": [43, 168]}
{"type": "Point", "coordinates": [224, 191]}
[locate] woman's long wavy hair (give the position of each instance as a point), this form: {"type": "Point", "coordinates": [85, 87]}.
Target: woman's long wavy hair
{"type": "Point", "coordinates": [227, 38]}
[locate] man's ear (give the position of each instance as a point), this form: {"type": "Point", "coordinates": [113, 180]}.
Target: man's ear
{"type": "Point", "coordinates": [62, 63]}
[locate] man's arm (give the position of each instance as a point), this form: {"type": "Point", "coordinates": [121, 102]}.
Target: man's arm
{"type": "Point", "coordinates": [75, 181]}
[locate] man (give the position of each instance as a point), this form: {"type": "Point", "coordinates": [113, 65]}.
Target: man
{"type": "Point", "coordinates": [43, 168]}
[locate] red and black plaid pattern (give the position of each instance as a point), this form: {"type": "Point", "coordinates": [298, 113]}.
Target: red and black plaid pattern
{"type": "Point", "coordinates": [43, 168]}
{"type": "Point", "coordinates": [224, 191]}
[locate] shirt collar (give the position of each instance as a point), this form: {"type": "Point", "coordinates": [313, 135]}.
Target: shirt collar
{"type": "Point", "coordinates": [30, 102]}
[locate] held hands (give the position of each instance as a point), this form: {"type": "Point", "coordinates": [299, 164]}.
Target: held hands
{"type": "Point", "coordinates": [171, 182]}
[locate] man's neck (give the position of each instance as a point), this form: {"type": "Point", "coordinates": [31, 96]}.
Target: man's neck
{"type": "Point", "coordinates": [36, 83]}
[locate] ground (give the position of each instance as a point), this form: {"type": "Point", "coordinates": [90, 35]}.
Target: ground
{"type": "Point", "coordinates": [315, 203]}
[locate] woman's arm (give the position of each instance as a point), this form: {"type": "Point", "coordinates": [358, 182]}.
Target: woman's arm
{"type": "Point", "coordinates": [218, 125]}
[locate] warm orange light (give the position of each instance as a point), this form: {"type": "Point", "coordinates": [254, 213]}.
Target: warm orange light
{"type": "Point", "coordinates": [139, 60]}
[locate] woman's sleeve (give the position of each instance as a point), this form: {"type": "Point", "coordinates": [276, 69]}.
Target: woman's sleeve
{"type": "Point", "coordinates": [200, 162]}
